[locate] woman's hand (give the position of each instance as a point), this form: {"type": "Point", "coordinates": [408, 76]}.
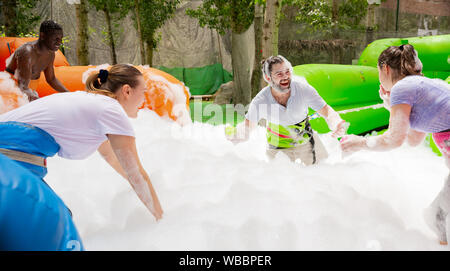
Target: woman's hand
{"type": "Point", "coordinates": [337, 125]}
{"type": "Point", "coordinates": [124, 148]}
{"type": "Point", "coordinates": [341, 129]}
{"type": "Point", "coordinates": [353, 143]}
{"type": "Point", "coordinates": [386, 97]}
{"type": "Point", "coordinates": [158, 211]}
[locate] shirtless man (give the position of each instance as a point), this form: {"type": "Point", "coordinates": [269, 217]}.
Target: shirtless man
{"type": "Point", "coordinates": [30, 59]}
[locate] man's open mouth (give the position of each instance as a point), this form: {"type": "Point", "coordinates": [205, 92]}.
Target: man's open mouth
{"type": "Point", "coordinates": [284, 83]}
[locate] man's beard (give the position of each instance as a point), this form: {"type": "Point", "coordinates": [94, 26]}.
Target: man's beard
{"type": "Point", "coordinates": [278, 88]}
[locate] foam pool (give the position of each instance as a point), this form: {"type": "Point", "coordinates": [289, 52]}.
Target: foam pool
{"type": "Point", "coordinates": [220, 196]}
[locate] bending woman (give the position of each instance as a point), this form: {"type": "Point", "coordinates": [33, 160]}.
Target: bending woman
{"type": "Point", "coordinates": [417, 105]}
{"type": "Point", "coordinates": [73, 125]}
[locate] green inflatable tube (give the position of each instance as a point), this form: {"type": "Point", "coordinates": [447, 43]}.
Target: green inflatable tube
{"type": "Point", "coordinates": [434, 51]}
{"type": "Point", "coordinates": [342, 85]}
{"type": "Point", "coordinates": [369, 57]}
{"type": "Point", "coordinates": [437, 74]}
{"type": "Point", "coordinates": [351, 90]}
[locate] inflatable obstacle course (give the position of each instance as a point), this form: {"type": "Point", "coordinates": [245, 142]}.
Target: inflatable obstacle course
{"type": "Point", "coordinates": [166, 95]}
{"type": "Point", "coordinates": [356, 99]}
{"type": "Point", "coordinates": [433, 51]}
{"type": "Point", "coordinates": [350, 90]}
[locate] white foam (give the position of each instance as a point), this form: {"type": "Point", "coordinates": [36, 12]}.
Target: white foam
{"type": "Point", "coordinates": [9, 86]}
{"type": "Point", "coordinates": [8, 60]}
{"type": "Point", "coordinates": [220, 196]}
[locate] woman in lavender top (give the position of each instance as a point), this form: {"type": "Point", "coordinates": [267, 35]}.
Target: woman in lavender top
{"type": "Point", "coordinates": [417, 105]}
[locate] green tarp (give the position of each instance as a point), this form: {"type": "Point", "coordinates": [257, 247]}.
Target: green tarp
{"type": "Point", "coordinates": [201, 81]}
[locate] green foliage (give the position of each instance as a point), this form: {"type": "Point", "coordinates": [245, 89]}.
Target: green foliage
{"type": "Point", "coordinates": [65, 43]}
{"type": "Point", "coordinates": [223, 15]}
{"type": "Point", "coordinates": [117, 7]}
{"type": "Point", "coordinates": [351, 12]}
{"type": "Point", "coordinates": [29, 35]}
{"type": "Point", "coordinates": [117, 10]}
{"type": "Point", "coordinates": [25, 20]}
{"type": "Point", "coordinates": [153, 14]}
{"type": "Point", "coordinates": [318, 13]}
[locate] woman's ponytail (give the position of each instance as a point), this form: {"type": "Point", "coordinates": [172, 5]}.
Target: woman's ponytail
{"type": "Point", "coordinates": [107, 82]}
{"type": "Point", "coordinates": [409, 61]}
{"type": "Point", "coordinates": [402, 59]}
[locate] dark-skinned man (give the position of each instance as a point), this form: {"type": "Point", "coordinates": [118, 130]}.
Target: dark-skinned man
{"type": "Point", "coordinates": [30, 59]}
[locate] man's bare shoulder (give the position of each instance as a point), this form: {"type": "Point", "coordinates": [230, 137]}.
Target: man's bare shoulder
{"type": "Point", "coordinates": [26, 50]}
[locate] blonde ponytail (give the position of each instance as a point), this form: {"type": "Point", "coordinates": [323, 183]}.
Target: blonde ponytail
{"type": "Point", "coordinates": [93, 86]}
{"type": "Point", "coordinates": [117, 76]}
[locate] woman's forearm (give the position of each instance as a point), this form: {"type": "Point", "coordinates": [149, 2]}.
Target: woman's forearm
{"type": "Point", "coordinates": [108, 154]}
{"type": "Point", "coordinates": [384, 142]}
{"type": "Point", "coordinates": [124, 148]}
{"type": "Point", "coordinates": [140, 182]}
{"type": "Point", "coordinates": [397, 131]}
{"type": "Point", "coordinates": [415, 137]}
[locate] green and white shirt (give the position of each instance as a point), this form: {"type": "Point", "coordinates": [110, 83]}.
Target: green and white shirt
{"type": "Point", "coordinates": [282, 128]}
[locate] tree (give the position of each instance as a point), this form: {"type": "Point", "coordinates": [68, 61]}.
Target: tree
{"type": "Point", "coordinates": [237, 16]}
{"type": "Point", "coordinates": [138, 25]}
{"type": "Point", "coordinates": [331, 16]}
{"type": "Point", "coordinates": [256, 81]}
{"type": "Point", "coordinates": [82, 36]}
{"type": "Point", "coordinates": [149, 17]}
{"type": "Point", "coordinates": [272, 18]}
{"type": "Point", "coordinates": [321, 14]}
{"type": "Point", "coordinates": [19, 19]}
{"type": "Point", "coordinates": [114, 10]}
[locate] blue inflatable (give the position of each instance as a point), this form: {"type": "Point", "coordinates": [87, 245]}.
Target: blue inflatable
{"type": "Point", "coordinates": [32, 216]}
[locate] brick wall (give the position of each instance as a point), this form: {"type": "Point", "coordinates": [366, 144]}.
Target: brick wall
{"type": "Point", "coordinates": [429, 7]}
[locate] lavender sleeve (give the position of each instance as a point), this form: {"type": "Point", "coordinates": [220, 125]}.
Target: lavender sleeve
{"type": "Point", "coordinates": [403, 93]}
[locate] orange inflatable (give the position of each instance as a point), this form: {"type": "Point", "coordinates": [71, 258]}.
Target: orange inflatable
{"type": "Point", "coordinates": [166, 95]}
{"type": "Point", "coordinates": [70, 76]}
{"type": "Point", "coordinates": [8, 46]}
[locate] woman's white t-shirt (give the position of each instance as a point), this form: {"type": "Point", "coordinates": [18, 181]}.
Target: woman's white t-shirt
{"type": "Point", "coordinates": [78, 121]}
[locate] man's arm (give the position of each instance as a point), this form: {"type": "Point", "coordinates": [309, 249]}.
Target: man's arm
{"type": "Point", "coordinates": [51, 78]}
{"type": "Point", "coordinates": [23, 71]}
{"type": "Point", "coordinates": [242, 132]}
{"type": "Point", "coordinates": [334, 121]}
